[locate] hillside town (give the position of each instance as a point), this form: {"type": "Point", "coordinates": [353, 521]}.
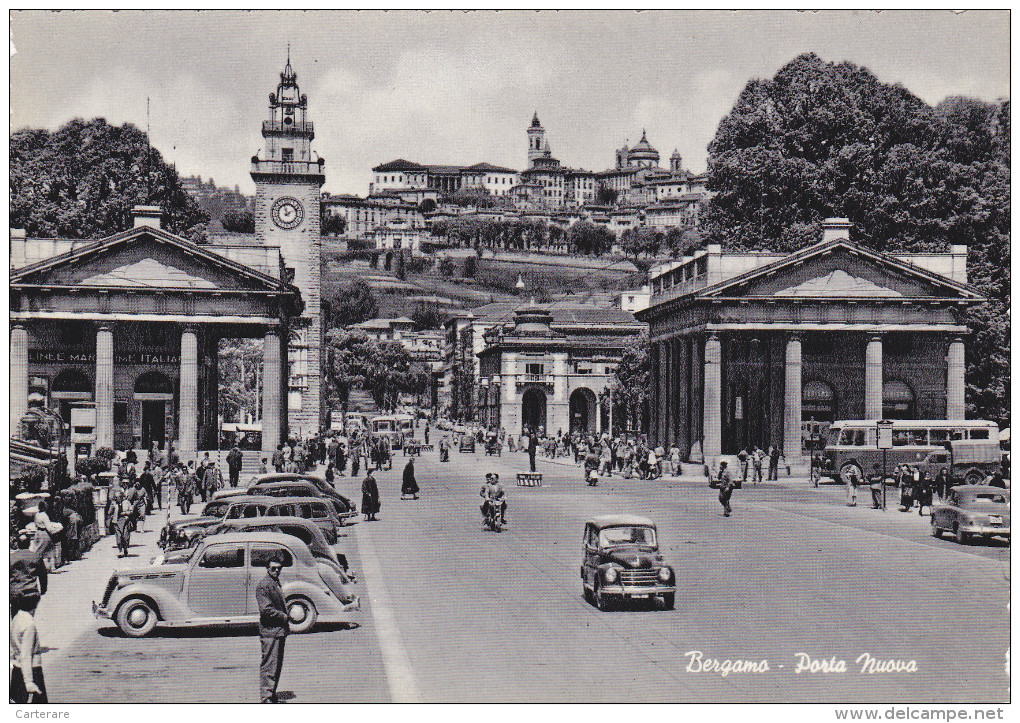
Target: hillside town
{"type": "Point", "coordinates": [270, 415]}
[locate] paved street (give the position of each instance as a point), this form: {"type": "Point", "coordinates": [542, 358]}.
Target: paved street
{"type": "Point", "coordinates": [447, 605]}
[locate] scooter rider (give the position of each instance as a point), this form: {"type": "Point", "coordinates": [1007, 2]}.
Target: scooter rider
{"type": "Point", "coordinates": [492, 493]}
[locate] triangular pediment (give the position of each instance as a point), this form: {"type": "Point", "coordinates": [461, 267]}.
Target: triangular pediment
{"type": "Point", "coordinates": [840, 270]}
{"type": "Point", "coordinates": [147, 259]}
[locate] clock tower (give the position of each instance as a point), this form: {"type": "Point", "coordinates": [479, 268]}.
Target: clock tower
{"type": "Point", "coordinates": [288, 176]}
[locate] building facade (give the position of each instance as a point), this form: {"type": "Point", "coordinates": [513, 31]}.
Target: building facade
{"type": "Point", "coordinates": [127, 328]}
{"type": "Point", "coordinates": [749, 347]}
{"type": "Point", "coordinates": [547, 368]}
{"type": "Point", "coordinates": [400, 176]}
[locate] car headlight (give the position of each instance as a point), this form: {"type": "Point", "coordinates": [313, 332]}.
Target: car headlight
{"type": "Point", "coordinates": [664, 574]}
{"type": "Point", "coordinates": [610, 574]}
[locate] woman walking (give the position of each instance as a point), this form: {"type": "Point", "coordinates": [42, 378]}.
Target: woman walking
{"type": "Point", "coordinates": [369, 497]}
{"type": "Point", "coordinates": [409, 490]}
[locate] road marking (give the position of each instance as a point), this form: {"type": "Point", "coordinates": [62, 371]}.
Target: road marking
{"type": "Point", "coordinates": [399, 674]}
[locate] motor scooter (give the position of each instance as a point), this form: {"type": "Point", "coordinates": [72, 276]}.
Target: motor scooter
{"type": "Point", "coordinates": [490, 516]}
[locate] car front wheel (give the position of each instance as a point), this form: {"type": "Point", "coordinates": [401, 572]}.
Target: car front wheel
{"type": "Point", "coordinates": [668, 600]}
{"type": "Point", "coordinates": [136, 617]}
{"type": "Point", "coordinates": [601, 599]}
{"type": "Point", "coordinates": [936, 531]}
{"type": "Point", "coordinates": [962, 537]}
{"type": "Point", "coordinates": [302, 614]}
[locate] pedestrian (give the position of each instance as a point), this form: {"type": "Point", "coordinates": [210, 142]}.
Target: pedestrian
{"type": "Point", "coordinates": [72, 534]}
{"type": "Point", "coordinates": [906, 491]}
{"type": "Point", "coordinates": [158, 476]}
{"type": "Point", "coordinates": [410, 487]}
{"type": "Point", "coordinates": [674, 460]}
{"type": "Point", "coordinates": [923, 493]}
{"type": "Point", "coordinates": [851, 487]}
{"type": "Point", "coordinates": [757, 458]}
{"type": "Point", "coordinates": [43, 541]}
{"type": "Point", "coordinates": [355, 459]}
{"type": "Point", "coordinates": [148, 484]}
{"type": "Point", "coordinates": [773, 473]}
{"type": "Point", "coordinates": [532, 449]}
{"type": "Point", "coordinates": [942, 483]}
{"type": "Point", "coordinates": [274, 624]}
{"type": "Point", "coordinates": [28, 574]}
{"type": "Point", "coordinates": [444, 450]}
{"type": "Point", "coordinates": [876, 482]}
{"type": "Point", "coordinates": [122, 509]}
{"type": "Point", "coordinates": [278, 458]}
{"type": "Point", "coordinates": [264, 467]}
{"type": "Point", "coordinates": [369, 497]}
{"type": "Point", "coordinates": [210, 480]}
{"type": "Point", "coordinates": [725, 489]}
{"type": "Point", "coordinates": [27, 684]}
{"type": "Point", "coordinates": [330, 475]}
{"type": "Point", "coordinates": [234, 461]}
{"type": "Point", "coordinates": [744, 458]}
{"type": "Point", "coordinates": [426, 432]}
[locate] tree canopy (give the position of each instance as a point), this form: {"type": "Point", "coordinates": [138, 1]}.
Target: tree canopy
{"type": "Point", "coordinates": [385, 369]}
{"type": "Point", "coordinates": [829, 139]}
{"type": "Point", "coordinates": [82, 180]}
{"type": "Point", "coordinates": [353, 304]}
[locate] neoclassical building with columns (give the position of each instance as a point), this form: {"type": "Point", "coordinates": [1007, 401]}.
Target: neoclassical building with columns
{"type": "Point", "coordinates": [130, 324]}
{"type": "Point", "coordinates": [750, 348]}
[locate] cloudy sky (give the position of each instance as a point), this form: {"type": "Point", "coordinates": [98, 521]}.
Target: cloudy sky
{"type": "Point", "coordinates": [460, 88]}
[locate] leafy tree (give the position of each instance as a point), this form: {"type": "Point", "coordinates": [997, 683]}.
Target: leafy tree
{"type": "Point", "coordinates": [470, 267]}
{"type": "Point", "coordinates": [238, 221]}
{"type": "Point", "coordinates": [630, 386]}
{"type": "Point", "coordinates": [606, 196]}
{"type": "Point", "coordinates": [590, 239]}
{"type": "Point", "coordinates": [82, 180]}
{"type": "Point", "coordinates": [427, 315]}
{"type": "Point", "coordinates": [353, 304]}
{"type": "Point", "coordinates": [446, 266]}
{"type": "Point", "coordinates": [385, 369]}
{"type": "Point", "coordinates": [641, 244]}
{"type": "Point", "coordinates": [824, 139]}
{"type": "Point", "coordinates": [427, 205]}
{"type": "Point", "coordinates": [240, 370]}
{"type": "Point", "coordinates": [333, 224]}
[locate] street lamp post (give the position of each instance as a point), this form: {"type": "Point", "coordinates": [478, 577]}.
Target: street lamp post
{"type": "Point", "coordinates": [885, 444]}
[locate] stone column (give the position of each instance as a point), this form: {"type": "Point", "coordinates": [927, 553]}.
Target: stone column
{"type": "Point", "coordinates": [682, 391]}
{"type": "Point", "coordinates": [188, 413]}
{"type": "Point", "coordinates": [712, 446]}
{"type": "Point", "coordinates": [19, 375]}
{"type": "Point", "coordinates": [792, 400]}
{"type": "Point", "coordinates": [271, 391]}
{"type": "Point", "coordinates": [873, 378]}
{"type": "Point", "coordinates": [104, 387]}
{"type": "Point", "coordinates": [954, 383]}
{"type": "Point", "coordinates": [665, 432]}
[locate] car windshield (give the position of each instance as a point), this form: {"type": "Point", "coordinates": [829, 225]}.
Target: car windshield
{"type": "Point", "coordinates": [984, 498]}
{"type": "Point", "coordinates": [627, 535]}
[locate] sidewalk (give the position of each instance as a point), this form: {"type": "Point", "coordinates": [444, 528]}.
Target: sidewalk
{"type": "Point", "coordinates": [65, 611]}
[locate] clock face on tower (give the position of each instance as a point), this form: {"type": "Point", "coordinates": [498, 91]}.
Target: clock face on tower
{"type": "Point", "coordinates": [287, 212]}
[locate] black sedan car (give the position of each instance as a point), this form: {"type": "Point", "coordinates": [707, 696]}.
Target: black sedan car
{"type": "Point", "coordinates": [622, 562]}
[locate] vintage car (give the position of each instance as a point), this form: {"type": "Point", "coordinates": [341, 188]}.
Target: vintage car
{"type": "Point", "coordinates": [178, 534]}
{"type": "Point", "coordinates": [229, 492]}
{"type": "Point", "coordinates": [216, 585]}
{"type": "Point", "coordinates": [622, 561]}
{"type": "Point", "coordinates": [972, 510]}
{"type": "Point", "coordinates": [345, 508]}
{"type": "Point", "coordinates": [317, 509]}
{"type": "Point", "coordinates": [467, 444]}
{"type": "Point", "coordinates": [305, 530]}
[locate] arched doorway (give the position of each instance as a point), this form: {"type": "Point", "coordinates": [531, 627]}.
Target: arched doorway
{"type": "Point", "coordinates": [898, 400]}
{"type": "Point", "coordinates": [69, 386]}
{"type": "Point", "coordinates": [532, 410]}
{"type": "Point", "coordinates": [582, 411]}
{"type": "Point", "coordinates": [153, 391]}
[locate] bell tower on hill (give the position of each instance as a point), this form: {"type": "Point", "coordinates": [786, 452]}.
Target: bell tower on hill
{"type": "Point", "coordinates": [288, 178]}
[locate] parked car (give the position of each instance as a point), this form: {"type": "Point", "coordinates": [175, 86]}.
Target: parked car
{"type": "Point", "coordinates": [303, 485]}
{"type": "Point", "coordinates": [317, 509]}
{"type": "Point", "coordinates": [972, 510]}
{"type": "Point", "coordinates": [305, 530]}
{"type": "Point", "coordinates": [622, 561]}
{"type": "Point", "coordinates": [467, 444]}
{"type": "Point", "coordinates": [216, 585]}
{"type": "Point", "coordinates": [178, 534]}
{"type": "Point", "coordinates": [229, 492]}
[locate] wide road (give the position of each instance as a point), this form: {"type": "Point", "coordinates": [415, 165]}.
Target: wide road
{"type": "Point", "coordinates": [454, 613]}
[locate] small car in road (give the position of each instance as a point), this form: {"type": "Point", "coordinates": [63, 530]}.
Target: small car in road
{"type": "Point", "coordinates": [467, 444]}
{"type": "Point", "coordinates": [972, 510]}
{"type": "Point", "coordinates": [216, 586]}
{"type": "Point", "coordinates": [622, 561]}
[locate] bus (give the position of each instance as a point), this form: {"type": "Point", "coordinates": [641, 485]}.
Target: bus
{"type": "Point", "coordinates": [395, 427]}
{"type": "Point", "coordinates": [852, 444]}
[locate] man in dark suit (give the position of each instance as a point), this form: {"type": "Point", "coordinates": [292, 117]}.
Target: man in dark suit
{"type": "Point", "coordinates": [234, 461]}
{"type": "Point", "coordinates": [274, 625]}
{"type": "Point", "coordinates": [532, 448]}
